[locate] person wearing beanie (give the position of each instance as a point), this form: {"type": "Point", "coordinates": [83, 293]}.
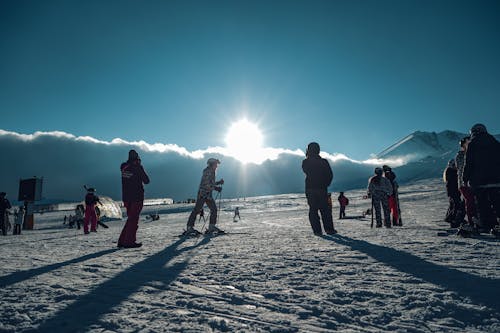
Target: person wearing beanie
{"type": "Point", "coordinates": [133, 178]}
{"type": "Point", "coordinates": [319, 176]}
{"type": "Point", "coordinates": [482, 174]}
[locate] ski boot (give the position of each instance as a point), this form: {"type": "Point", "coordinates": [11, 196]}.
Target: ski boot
{"type": "Point", "coordinates": [191, 232]}
{"type": "Point", "coordinates": [213, 230]}
{"type": "Point", "coordinates": [465, 230]}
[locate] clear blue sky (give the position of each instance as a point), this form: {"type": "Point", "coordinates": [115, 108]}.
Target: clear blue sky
{"type": "Point", "coordinates": [354, 75]}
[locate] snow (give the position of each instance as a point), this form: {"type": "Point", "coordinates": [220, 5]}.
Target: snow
{"type": "Point", "coordinates": [270, 274]}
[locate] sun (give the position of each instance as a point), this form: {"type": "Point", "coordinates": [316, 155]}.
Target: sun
{"type": "Point", "coordinates": [244, 141]}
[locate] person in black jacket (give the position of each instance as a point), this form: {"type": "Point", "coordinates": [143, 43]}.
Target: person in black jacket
{"type": "Point", "coordinates": [319, 176]}
{"type": "Point", "coordinates": [4, 205]}
{"type": "Point", "coordinates": [482, 173]}
{"type": "Point", "coordinates": [453, 215]}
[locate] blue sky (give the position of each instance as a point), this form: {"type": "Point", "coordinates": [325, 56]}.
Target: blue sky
{"type": "Point", "coordinates": [356, 76]}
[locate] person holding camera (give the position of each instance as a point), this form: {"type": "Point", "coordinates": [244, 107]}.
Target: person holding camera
{"type": "Point", "coordinates": [207, 185]}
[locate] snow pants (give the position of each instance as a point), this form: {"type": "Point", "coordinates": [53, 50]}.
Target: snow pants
{"type": "Point", "coordinates": [342, 212]}
{"type": "Point", "coordinates": [488, 204]}
{"type": "Point", "coordinates": [90, 217]}
{"type": "Point", "coordinates": [381, 199]}
{"type": "Point", "coordinates": [129, 231]}
{"type": "Point", "coordinates": [470, 204]}
{"type": "Point", "coordinates": [393, 207]}
{"type": "Point", "coordinates": [318, 200]}
{"type": "Point", "coordinates": [198, 207]}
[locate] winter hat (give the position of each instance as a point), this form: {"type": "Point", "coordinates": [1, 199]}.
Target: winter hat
{"type": "Point", "coordinates": [478, 129]}
{"type": "Point", "coordinates": [132, 155]}
{"type": "Point", "coordinates": [212, 161]}
{"type": "Point", "coordinates": [91, 190]}
{"type": "Point", "coordinates": [312, 149]}
{"type": "Point", "coordinates": [386, 168]}
{"type": "Point", "coordinates": [379, 171]}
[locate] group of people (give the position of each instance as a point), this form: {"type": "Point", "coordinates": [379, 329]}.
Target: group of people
{"type": "Point", "coordinates": [473, 184]}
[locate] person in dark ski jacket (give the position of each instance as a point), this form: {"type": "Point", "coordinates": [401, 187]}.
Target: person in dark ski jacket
{"type": "Point", "coordinates": [393, 198]}
{"type": "Point", "coordinates": [379, 190]}
{"type": "Point", "coordinates": [207, 185]}
{"type": "Point", "coordinates": [4, 205]}
{"type": "Point", "coordinates": [133, 178]}
{"type": "Point", "coordinates": [450, 177]}
{"type": "Point", "coordinates": [90, 213]}
{"type": "Point", "coordinates": [319, 176]}
{"type": "Point", "coordinates": [343, 202]}
{"type": "Point", "coordinates": [465, 190]}
{"type": "Point", "coordinates": [482, 173]}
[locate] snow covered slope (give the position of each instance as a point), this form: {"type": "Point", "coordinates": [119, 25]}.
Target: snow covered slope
{"type": "Point", "coordinates": [269, 275]}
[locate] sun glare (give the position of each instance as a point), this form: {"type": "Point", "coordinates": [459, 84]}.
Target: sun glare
{"type": "Point", "coordinates": [244, 141]}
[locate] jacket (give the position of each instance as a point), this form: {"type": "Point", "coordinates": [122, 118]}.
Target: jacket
{"type": "Point", "coordinates": [482, 161]}
{"type": "Point", "coordinates": [133, 178]}
{"type": "Point", "coordinates": [318, 172]}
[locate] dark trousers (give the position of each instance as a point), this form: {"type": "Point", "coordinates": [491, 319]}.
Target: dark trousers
{"type": "Point", "coordinates": [129, 231]}
{"type": "Point", "coordinates": [318, 200]}
{"type": "Point", "coordinates": [342, 212]}
{"type": "Point", "coordinates": [470, 204]}
{"type": "Point", "coordinates": [199, 206]}
{"type": "Point", "coordinates": [488, 204]}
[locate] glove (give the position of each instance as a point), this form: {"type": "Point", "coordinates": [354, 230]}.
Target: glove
{"type": "Point", "coordinates": [218, 188]}
{"type": "Point", "coordinates": [220, 182]}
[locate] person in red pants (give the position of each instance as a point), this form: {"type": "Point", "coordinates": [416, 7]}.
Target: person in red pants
{"type": "Point", "coordinates": [90, 216]}
{"type": "Point", "coordinates": [133, 178]}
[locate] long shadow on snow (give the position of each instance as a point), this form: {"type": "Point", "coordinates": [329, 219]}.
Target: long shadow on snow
{"type": "Point", "coordinates": [25, 275]}
{"type": "Point", "coordinates": [479, 289]}
{"type": "Point", "coordinates": [87, 309]}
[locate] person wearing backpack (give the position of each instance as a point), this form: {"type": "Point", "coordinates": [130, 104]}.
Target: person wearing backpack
{"type": "Point", "coordinates": [343, 202]}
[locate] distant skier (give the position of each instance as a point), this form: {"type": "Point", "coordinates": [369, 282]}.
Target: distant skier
{"type": "Point", "coordinates": [482, 173]}
{"type": "Point", "coordinates": [90, 212]}
{"type": "Point", "coordinates": [379, 190]}
{"type": "Point", "coordinates": [133, 178]}
{"type": "Point", "coordinates": [465, 190]}
{"type": "Point", "coordinates": [207, 185]}
{"type": "Point", "coordinates": [393, 198]}
{"type": "Point", "coordinates": [343, 202]}
{"type": "Point", "coordinates": [18, 220]}
{"type": "Point", "coordinates": [451, 180]}
{"type": "Point", "coordinates": [4, 205]}
{"type": "Point", "coordinates": [236, 214]}
{"type": "Point", "coordinates": [319, 176]}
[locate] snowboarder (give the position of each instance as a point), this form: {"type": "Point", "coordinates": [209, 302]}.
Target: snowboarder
{"type": "Point", "coordinates": [18, 220]}
{"type": "Point", "coordinates": [236, 214]}
{"type": "Point", "coordinates": [343, 202]}
{"type": "Point", "coordinates": [393, 198]}
{"type": "Point", "coordinates": [451, 180]}
{"type": "Point", "coordinates": [207, 185]}
{"type": "Point", "coordinates": [465, 190]}
{"type": "Point", "coordinates": [481, 172]}
{"type": "Point", "coordinates": [319, 176]}
{"type": "Point", "coordinates": [90, 212]}
{"type": "Point", "coordinates": [379, 190]}
{"type": "Point", "coordinates": [133, 178]}
{"type": "Point", "coordinates": [4, 206]}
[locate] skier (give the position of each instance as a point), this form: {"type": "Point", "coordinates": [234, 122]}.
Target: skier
{"type": "Point", "coordinates": [465, 190]}
{"type": "Point", "coordinates": [90, 212]}
{"type": "Point", "coordinates": [393, 198]}
{"type": "Point", "coordinates": [379, 190]}
{"type": "Point", "coordinates": [453, 215]}
{"type": "Point", "coordinates": [236, 214]}
{"type": "Point", "coordinates": [133, 178]}
{"type": "Point", "coordinates": [207, 185]}
{"type": "Point", "coordinates": [4, 205]}
{"type": "Point", "coordinates": [319, 176]}
{"type": "Point", "coordinates": [18, 220]}
{"type": "Point", "coordinates": [343, 202]}
{"type": "Point", "coordinates": [481, 172]}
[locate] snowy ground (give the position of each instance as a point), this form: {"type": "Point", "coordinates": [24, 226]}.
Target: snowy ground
{"type": "Point", "coordinates": [270, 275]}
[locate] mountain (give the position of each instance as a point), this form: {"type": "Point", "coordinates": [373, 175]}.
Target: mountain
{"type": "Point", "coordinates": [66, 163]}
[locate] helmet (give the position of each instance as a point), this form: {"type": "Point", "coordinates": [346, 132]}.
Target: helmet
{"type": "Point", "coordinates": [212, 161]}
{"type": "Point", "coordinates": [478, 129]}
{"type": "Point", "coordinates": [379, 171]}
{"type": "Point", "coordinates": [386, 168]}
{"type": "Point", "coordinates": [313, 149]}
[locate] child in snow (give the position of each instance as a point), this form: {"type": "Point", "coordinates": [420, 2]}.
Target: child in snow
{"type": "Point", "coordinates": [379, 190]}
{"type": "Point", "coordinates": [343, 202]}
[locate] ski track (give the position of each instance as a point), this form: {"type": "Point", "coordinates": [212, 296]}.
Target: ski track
{"type": "Point", "coordinates": [270, 275]}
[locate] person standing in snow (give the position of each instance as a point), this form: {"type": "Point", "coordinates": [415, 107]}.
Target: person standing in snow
{"type": "Point", "coordinates": [319, 176]}
{"type": "Point", "coordinates": [343, 202]}
{"type": "Point", "coordinates": [393, 198]}
{"type": "Point", "coordinates": [90, 213]}
{"type": "Point", "coordinates": [133, 178]}
{"type": "Point", "coordinates": [379, 190]}
{"type": "Point", "coordinates": [482, 173]}
{"type": "Point", "coordinates": [207, 185]}
{"type": "Point", "coordinates": [18, 220]}
{"type": "Point", "coordinates": [236, 214]}
{"type": "Point", "coordinates": [465, 190]}
{"type": "Point", "coordinates": [451, 180]}
{"type": "Point", "coordinates": [4, 205]}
